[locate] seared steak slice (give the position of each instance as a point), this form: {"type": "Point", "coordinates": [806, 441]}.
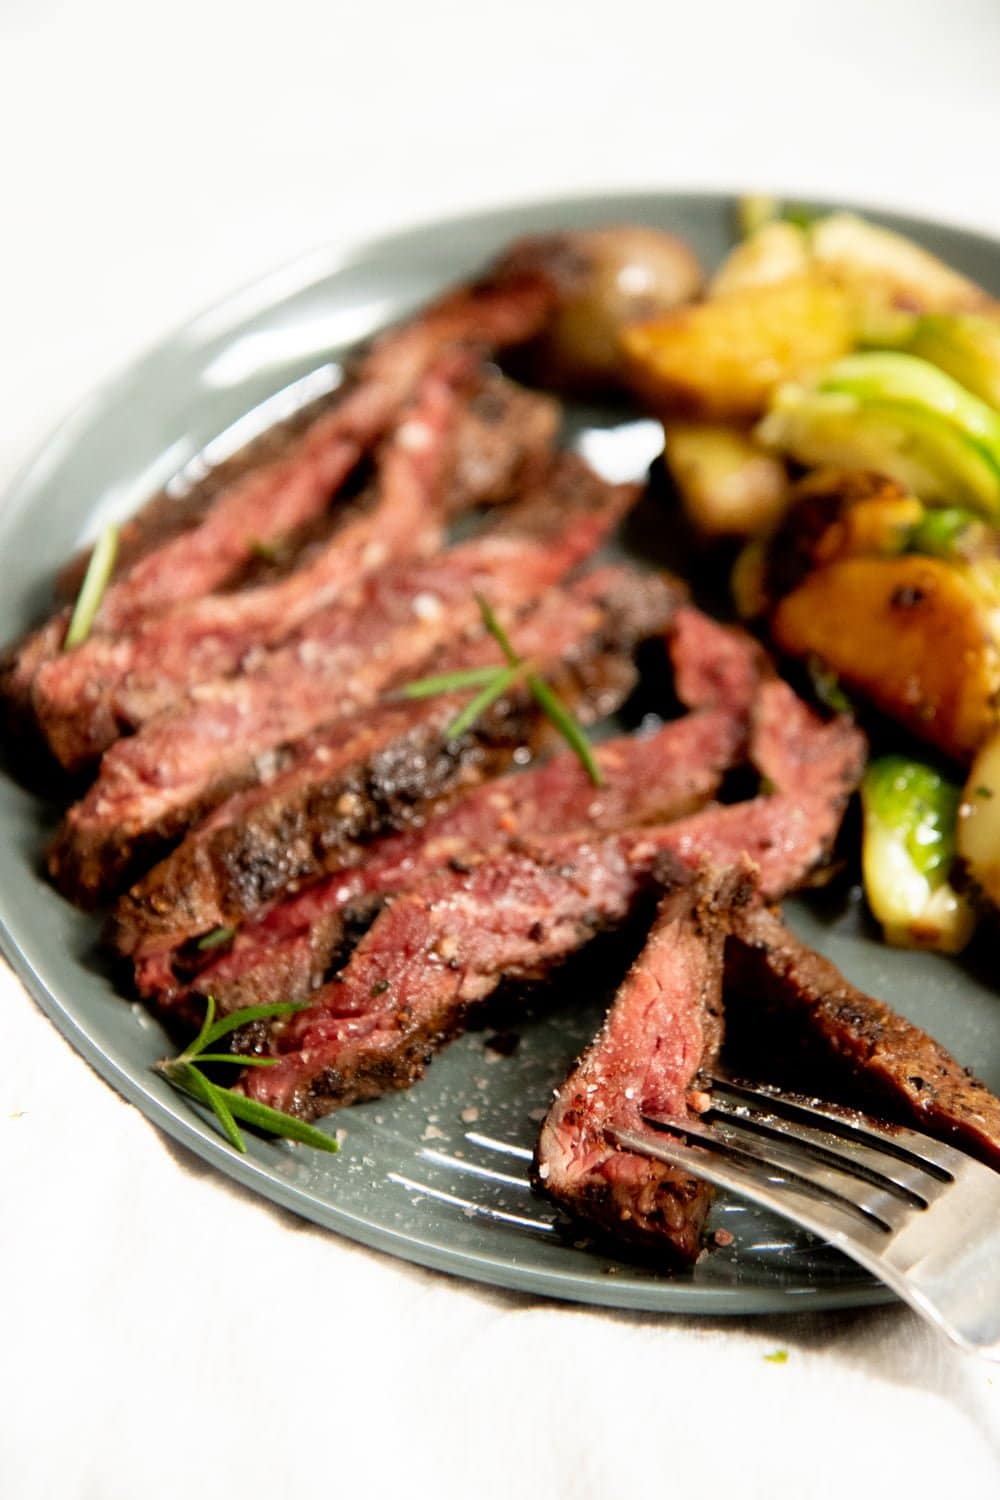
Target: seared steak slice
{"type": "Point", "coordinates": [502, 443]}
{"type": "Point", "coordinates": [429, 957]}
{"type": "Point", "coordinates": [796, 1020]}
{"type": "Point", "coordinates": [715, 666]}
{"type": "Point", "coordinates": [112, 684]}
{"type": "Point", "coordinates": [647, 779]}
{"type": "Point", "coordinates": [509, 305]}
{"type": "Point", "coordinates": [383, 769]}
{"type": "Point", "coordinates": [229, 733]}
{"type": "Point", "coordinates": [662, 1032]}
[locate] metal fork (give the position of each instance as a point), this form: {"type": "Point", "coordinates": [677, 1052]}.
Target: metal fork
{"type": "Point", "coordinates": [922, 1216]}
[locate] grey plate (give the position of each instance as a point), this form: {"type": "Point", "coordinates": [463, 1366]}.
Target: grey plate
{"type": "Point", "coordinates": [436, 1175]}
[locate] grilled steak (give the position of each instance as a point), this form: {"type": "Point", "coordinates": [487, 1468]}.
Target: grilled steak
{"type": "Point", "coordinates": [382, 769]}
{"type": "Point", "coordinates": [430, 956]}
{"type": "Point", "coordinates": [796, 1020]}
{"type": "Point", "coordinates": [111, 684]}
{"type": "Point", "coordinates": [509, 305]}
{"type": "Point", "coordinates": [288, 952]}
{"type": "Point", "coordinates": [663, 1029]}
{"type": "Point", "coordinates": [228, 733]}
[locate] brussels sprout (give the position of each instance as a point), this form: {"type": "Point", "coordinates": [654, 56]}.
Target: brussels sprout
{"type": "Point", "coordinates": [902, 378]}
{"type": "Point", "coordinates": [966, 345]}
{"type": "Point", "coordinates": [923, 450]}
{"type": "Point", "coordinates": [951, 532]}
{"type": "Point", "coordinates": [910, 812]}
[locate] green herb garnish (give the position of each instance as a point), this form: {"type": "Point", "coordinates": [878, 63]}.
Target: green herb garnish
{"type": "Point", "coordinates": [493, 682]}
{"type": "Point", "coordinates": [215, 938]}
{"type": "Point", "coordinates": [95, 581]}
{"type": "Point", "coordinates": [184, 1073]}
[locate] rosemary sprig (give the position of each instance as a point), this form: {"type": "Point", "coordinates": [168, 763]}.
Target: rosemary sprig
{"type": "Point", "coordinates": [502, 681]}
{"type": "Point", "coordinates": [449, 682]}
{"type": "Point", "coordinates": [95, 581]}
{"type": "Point", "coordinates": [184, 1073]}
{"type": "Point", "coordinates": [493, 682]}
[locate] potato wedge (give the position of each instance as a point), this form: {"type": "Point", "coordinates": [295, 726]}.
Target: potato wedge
{"type": "Point", "coordinates": [778, 251]}
{"type": "Point", "coordinates": [729, 487]}
{"type": "Point", "coordinates": [888, 268]}
{"type": "Point", "coordinates": [978, 830]}
{"type": "Point", "coordinates": [912, 634]}
{"type": "Point", "coordinates": [724, 358]}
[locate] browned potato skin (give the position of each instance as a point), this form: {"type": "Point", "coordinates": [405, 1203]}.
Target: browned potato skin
{"type": "Point", "coordinates": [910, 634]}
{"type": "Point", "coordinates": [628, 273]}
{"type": "Point", "coordinates": [722, 359]}
{"type": "Point", "coordinates": [729, 487]}
{"type": "Point", "coordinates": [835, 513]}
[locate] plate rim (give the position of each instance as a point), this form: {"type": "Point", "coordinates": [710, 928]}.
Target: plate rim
{"type": "Point", "coordinates": [186, 1126]}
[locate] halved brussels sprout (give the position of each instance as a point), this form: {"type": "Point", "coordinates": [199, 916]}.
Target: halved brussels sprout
{"type": "Point", "coordinates": [908, 851]}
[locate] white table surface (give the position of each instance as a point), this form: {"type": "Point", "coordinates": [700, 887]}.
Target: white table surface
{"type": "Point", "coordinates": [162, 1332]}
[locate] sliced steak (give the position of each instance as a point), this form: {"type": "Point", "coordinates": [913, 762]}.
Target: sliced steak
{"type": "Point", "coordinates": [502, 443]}
{"type": "Point", "coordinates": [85, 699]}
{"type": "Point", "coordinates": [429, 957]}
{"type": "Point", "coordinates": [384, 769]}
{"type": "Point", "coordinates": [507, 306]}
{"type": "Point", "coordinates": [796, 1020]}
{"type": "Point", "coordinates": [662, 1032]}
{"type": "Point", "coordinates": [288, 952]}
{"type": "Point", "coordinates": [229, 733]}
{"type": "Point", "coordinates": [331, 1056]}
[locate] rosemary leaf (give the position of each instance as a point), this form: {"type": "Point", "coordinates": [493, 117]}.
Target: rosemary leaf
{"type": "Point", "coordinates": [213, 1030]}
{"type": "Point", "coordinates": [215, 938]}
{"type": "Point", "coordinates": [202, 1039]}
{"type": "Point", "coordinates": [238, 1059]}
{"type": "Point", "coordinates": [186, 1077]}
{"type": "Point", "coordinates": [450, 682]}
{"type": "Point", "coordinates": [95, 581]}
{"type": "Point", "coordinates": [278, 1123]}
{"type": "Point", "coordinates": [571, 731]}
{"type": "Point", "coordinates": [497, 631]}
{"type": "Point", "coordinates": [503, 678]}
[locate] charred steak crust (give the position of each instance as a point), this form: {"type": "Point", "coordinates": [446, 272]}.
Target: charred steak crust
{"type": "Point", "coordinates": [796, 1019]}
{"type": "Point", "coordinates": [384, 769]}
{"type": "Point", "coordinates": [663, 1031]}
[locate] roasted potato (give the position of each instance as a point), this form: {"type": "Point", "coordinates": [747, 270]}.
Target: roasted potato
{"type": "Point", "coordinates": [724, 358]}
{"type": "Point", "coordinates": [728, 485]}
{"type": "Point", "coordinates": [778, 251]}
{"type": "Point", "coordinates": [912, 634]}
{"type": "Point", "coordinates": [631, 273]}
{"type": "Point", "coordinates": [884, 267]}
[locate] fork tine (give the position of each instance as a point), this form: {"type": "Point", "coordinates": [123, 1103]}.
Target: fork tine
{"type": "Point", "coordinates": [829, 1219]}
{"type": "Point", "coordinates": [795, 1163]}
{"type": "Point", "coordinates": [923, 1151]}
{"type": "Point", "coordinates": [914, 1185]}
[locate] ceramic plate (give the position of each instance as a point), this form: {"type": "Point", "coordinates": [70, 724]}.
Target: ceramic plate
{"type": "Point", "coordinates": [436, 1175]}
